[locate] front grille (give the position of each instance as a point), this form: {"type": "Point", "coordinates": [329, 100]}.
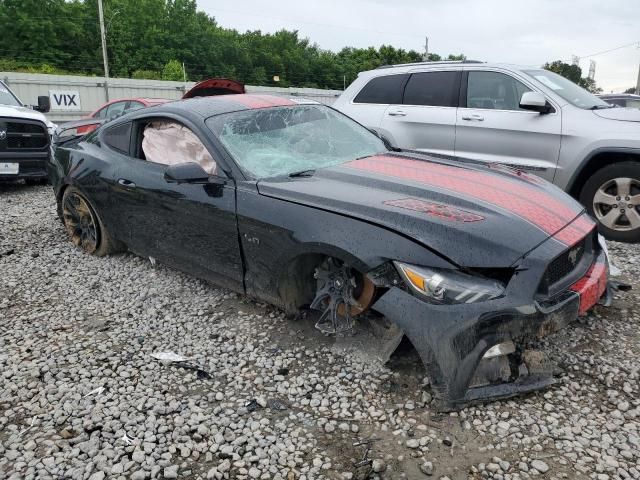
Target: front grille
{"type": "Point", "coordinates": [23, 135]}
{"type": "Point", "coordinates": [567, 267]}
{"type": "Point", "coordinates": [564, 264]}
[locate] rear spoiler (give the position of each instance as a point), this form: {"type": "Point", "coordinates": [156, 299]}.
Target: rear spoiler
{"type": "Point", "coordinates": [215, 86]}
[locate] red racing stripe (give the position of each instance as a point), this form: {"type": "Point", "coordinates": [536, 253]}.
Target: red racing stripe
{"type": "Point", "coordinates": [448, 178]}
{"type": "Point", "coordinates": [261, 101]}
{"type": "Point", "coordinates": [576, 231]}
{"type": "Point", "coordinates": [492, 181]}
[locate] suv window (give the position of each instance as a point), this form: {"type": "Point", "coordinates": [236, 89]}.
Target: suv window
{"type": "Point", "coordinates": [385, 90]}
{"type": "Point", "coordinates": [494, 91]}
{"type": "Point", "coordinates": [438, 89]}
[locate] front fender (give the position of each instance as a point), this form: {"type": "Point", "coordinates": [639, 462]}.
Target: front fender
{"type": "Point", "coordinates": [276, 233]}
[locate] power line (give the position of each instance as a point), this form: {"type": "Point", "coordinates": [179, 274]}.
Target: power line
{"type": "Point", "coordinates": [636, 43]}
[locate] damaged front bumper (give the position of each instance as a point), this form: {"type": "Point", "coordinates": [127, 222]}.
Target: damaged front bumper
{"type": "Point", "coordinates": [475, 352]}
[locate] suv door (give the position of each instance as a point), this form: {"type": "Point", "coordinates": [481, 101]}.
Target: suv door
{"type": "Point", "coordinates": [426, 118]}
{"type": "Point", "coordinates": [369, 105]}
{"type": "Point", "coordinates": [492, 127]}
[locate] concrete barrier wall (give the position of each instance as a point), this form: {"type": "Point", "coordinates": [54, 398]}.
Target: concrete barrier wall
{"type": "Point", "coordinates": [86, 94]}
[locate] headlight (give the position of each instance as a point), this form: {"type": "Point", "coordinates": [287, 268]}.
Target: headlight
{"type": "Point", "coordinates": [445, 286]}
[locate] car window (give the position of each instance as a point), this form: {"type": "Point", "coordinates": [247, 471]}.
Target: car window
{"type": "Point", "coordinates": [102, 113]}
{"type": "Point", "coordinates": [7, 97]}
{"type": "Point", "coordinates": [115, 109]}
{"type": "Point", "coordinates": [382, 90]}
{"type": "Point", "coordinates": [494, 91]}
{"type": "Point", "coordinates": [118, 137]}
{"type": "Point", "coordinates": [283, 140]}
{"type": "Point", "coordinates": [633, 103]}
{"type": "Point", "coordinates": [615, 101]}
{"type": "Point", "coordinates": [133, 105]}
{"type": "Point", "coordinates": [438, 89]}
{"type": "Point", "coordinates": [168, 142]}
{"type": "Point", "coordinates": [565, 88]}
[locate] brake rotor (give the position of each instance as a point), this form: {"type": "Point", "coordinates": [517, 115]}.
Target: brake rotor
{"type": "Point", "coordinates": [341, 294]}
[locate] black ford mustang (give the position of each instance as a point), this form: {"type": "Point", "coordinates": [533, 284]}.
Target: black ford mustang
{"type": "Point", "coordinates": [295, 204]}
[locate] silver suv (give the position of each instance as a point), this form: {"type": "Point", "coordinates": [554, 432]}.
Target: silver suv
{"type": "Point", "coordinates": [524, 117]}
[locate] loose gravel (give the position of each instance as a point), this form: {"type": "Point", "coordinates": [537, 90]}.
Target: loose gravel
{"type": "Point", "coordinates": [262, 397]}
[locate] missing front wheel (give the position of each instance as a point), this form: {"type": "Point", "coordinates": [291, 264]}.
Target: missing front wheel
{"type": "Point", "coordinates": [341, 293]}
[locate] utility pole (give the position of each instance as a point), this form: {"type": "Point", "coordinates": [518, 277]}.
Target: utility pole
{"type": "Point", "coordinates": [638, 82]}
{"type": "Point", "coordinates": [426, 49]}
{"type": "Point", "coordinates": [105, 59]}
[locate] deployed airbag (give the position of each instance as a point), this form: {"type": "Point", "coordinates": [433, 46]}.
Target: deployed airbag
{"type": "Point", "coordinates": [170, 143]}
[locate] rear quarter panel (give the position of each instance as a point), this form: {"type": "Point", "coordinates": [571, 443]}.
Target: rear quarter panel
{"type": "Point", "coordinates": [92, 170]}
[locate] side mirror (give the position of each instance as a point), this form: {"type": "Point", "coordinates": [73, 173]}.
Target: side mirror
{"type": "Point", "coordinates": [535, 102]}
{"type": "Point", "coordinates": [189, 172]}
{"type": "Point", "coordinates": [44, 104]}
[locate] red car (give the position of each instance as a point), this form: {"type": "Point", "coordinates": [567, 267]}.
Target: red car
{"type": "Point", "coordinates": [116, 108]}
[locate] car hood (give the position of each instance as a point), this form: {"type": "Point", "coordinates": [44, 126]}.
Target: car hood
{"type": "Point", "coordinates": [621, 114]}
{"type": "Point", "coordinates": [473, 215]}
{"type": "Point", "coordinates": [21, 112]}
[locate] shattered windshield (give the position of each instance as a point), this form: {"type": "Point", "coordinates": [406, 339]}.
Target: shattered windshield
{"type": "Point", "coordinates": [285, 140]}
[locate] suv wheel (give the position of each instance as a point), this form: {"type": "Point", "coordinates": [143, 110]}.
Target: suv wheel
{"type": "Point", "coordinates": [612, 197]}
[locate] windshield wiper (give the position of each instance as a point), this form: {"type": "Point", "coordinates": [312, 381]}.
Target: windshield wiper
{"type": "Point", "coordinates": [303, 173]}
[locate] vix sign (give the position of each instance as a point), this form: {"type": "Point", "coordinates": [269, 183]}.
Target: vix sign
{"type": "Point", "coordinates": [68, 100]}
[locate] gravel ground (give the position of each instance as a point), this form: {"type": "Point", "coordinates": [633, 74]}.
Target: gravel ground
{"type": "Point", "coordinates": [262, 397]}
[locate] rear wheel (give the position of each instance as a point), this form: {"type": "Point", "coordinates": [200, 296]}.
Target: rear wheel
{"type": "Point", "coordinates": [83, 225]}
{"type": "Point", "coordinates": [612, 197]}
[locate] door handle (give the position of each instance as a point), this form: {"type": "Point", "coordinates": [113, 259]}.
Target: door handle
{"type": "Point", "coordinates": [473, 117]}
{"type": "Point", "coordinates": [397, 113]}
{"type": "Point", "coordinates": [126, 183]}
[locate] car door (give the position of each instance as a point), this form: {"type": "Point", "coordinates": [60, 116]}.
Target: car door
{"type": "Point", "coordinates": [491, 126]}
{"type": "Point", "coordinates": [190, 226]}
{"type": "Point", "coordinates": [425, 119]}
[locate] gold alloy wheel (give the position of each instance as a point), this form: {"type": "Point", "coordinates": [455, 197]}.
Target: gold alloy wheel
{"type": "Point", "coordinates": [80, 222]}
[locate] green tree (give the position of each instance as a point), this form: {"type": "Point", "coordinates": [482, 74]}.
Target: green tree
{"type": "Point", "coordinates": [173, 71]}
{"type": "Point", "coordinates": [145, 37]}
{"type": "Point", "coordinates": [573, 73]}
{"type": "Point", "coordinates": [146, 75]}
{"type": "Point", "coordinates": [630, 90]}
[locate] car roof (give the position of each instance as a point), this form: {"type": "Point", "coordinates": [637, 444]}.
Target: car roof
{"type": "Point", "coordinates": [408, 67]}
{"type": "Point", "coordinates": [619, 95]}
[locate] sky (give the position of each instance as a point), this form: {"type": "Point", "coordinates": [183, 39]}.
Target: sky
{"type": "Point", "coordinates": [510, 31]}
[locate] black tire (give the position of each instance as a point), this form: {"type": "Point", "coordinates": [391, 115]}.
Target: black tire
{"type": "Point", "coordinates": [83, 225]}
{"type": "Point", "coordinates": [618, 216]}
